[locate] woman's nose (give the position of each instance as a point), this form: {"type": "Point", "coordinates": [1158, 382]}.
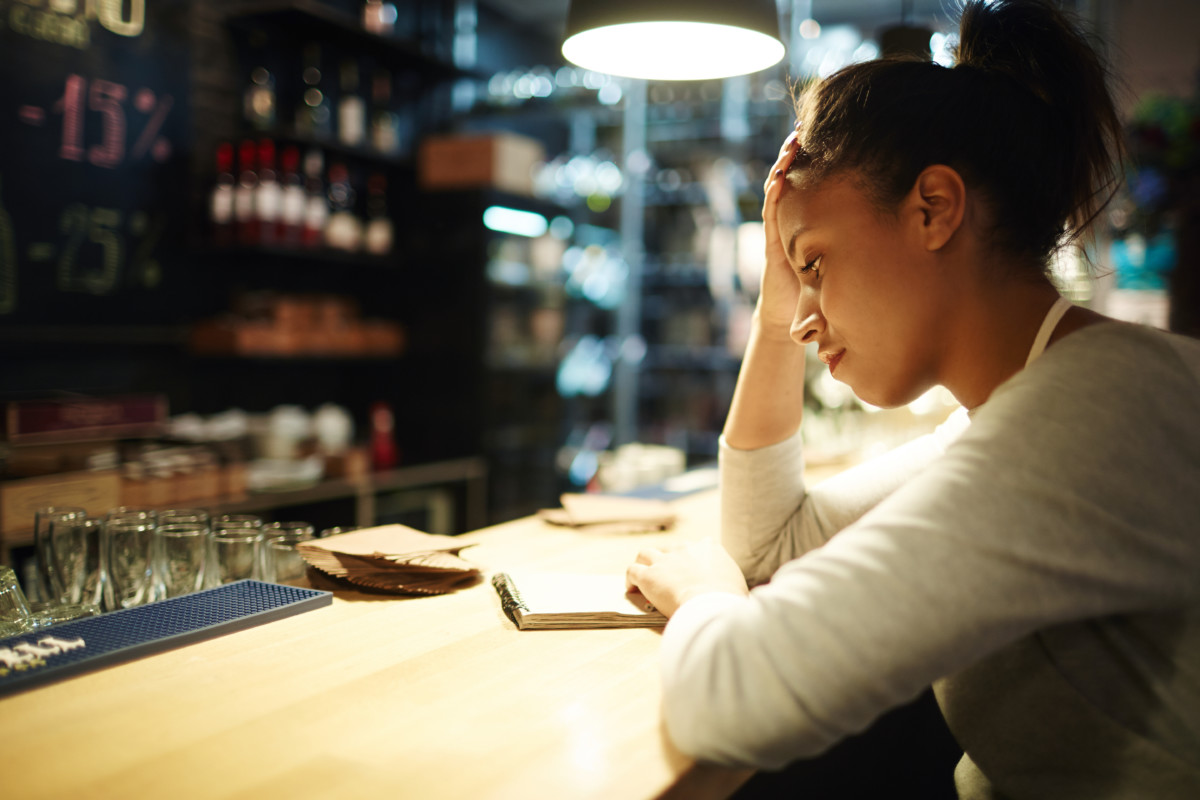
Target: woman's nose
{"type": "Point", "coordinates": [808, 323]}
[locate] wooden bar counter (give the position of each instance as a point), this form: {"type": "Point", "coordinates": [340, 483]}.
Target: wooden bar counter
{"type": "Point", "coordinates": [374, 696]}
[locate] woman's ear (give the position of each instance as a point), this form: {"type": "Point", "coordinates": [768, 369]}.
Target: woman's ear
{"type": "Point", "coordinates": [940, 196]}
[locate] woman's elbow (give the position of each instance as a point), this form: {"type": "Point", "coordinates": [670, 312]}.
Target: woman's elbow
{"type": "Point", "coordinates": [716, 733]}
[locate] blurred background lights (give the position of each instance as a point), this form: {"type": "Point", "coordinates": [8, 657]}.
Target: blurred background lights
{"type": "Point", "coordinates": [511, 220]}
{"type": "Point", "coordinates": [562, 227]}
{"type": "Point", "coordinates": [941, 46]}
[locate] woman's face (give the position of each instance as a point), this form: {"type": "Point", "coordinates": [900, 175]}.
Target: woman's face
{"type": "Point", "coordinates": [869, 294]}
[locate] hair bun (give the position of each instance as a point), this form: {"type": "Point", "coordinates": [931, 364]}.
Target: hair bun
{"type": "Point", "coordinates": [1022, 39]}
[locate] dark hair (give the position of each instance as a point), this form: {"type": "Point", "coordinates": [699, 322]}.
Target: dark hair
{"type": "Point", "coordinates": [1025, 116]}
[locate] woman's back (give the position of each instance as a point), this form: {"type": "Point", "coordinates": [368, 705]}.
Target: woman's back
{"type": "Point", "coordinates": [1048, 563]}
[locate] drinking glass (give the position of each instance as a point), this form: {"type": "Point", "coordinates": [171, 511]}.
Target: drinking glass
{"type": "Point", "coordinates": [282, 564]}
{"type": "Point", "coordinates": [238, 521]}
{"type": "Point", "coordinates": [301, 530]}
{"type": "Point", "coordinates": [233, 554]}
{"type": "Point", "coordinates": [15, 615]}
{"type": "Point", "coordinates": [180, 557]}
{"type": "Point", "coordinates": [67, 545]}
{"type": "Point", "coordinates": [47, 522]}
{"type": "Point", "coordinates": [128, 558]}
{"type": "Point", "coordinates": [170, 516]}
{"type": "Point", "coordinates": [336, 531]}
{"type": "Point", "coordinates": [80, 565]}
{"type": "Point", "coordinates": [136, 512]}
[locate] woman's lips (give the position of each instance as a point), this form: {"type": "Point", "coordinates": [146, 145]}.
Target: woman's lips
{"type": "Point", "coordinates": [832, 359]}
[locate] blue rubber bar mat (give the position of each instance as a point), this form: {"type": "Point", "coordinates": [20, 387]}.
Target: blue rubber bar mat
{"type": "Point", "coordinates": [82, 645]}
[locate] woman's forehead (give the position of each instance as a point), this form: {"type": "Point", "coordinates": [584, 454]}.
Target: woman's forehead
{"type": "Point", "coordinates": [809, 199]}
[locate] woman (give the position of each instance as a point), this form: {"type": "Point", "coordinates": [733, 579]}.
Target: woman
{"type": "Point", "coordinates": [1038, 558]}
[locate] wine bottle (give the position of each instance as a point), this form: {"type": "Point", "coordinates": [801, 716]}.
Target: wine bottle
{"type": "Point", "coordinates": [379, 17]}
{"type": "Point", "coordinates": [221, 200]}
{"type": "Point", "coordinates": [243, 198]}
{"type": "Point", "coordinates": [379, 236]}
{"type": "Point", "coordinates": [385, 123]}
{"type": "Point", "coordinates": [344, 229]}
{"type": "Point", "coordinates": [259, 100]}
{"type": "Point", "coordinates": [352, 111]}
{"type": "Point", "coordinates": [292, 199]}
{"type": "Point", "coordinates": [316, 206]}
{"type": "Point", "coordinates": [267, 194]}
{"type": "Point", "coordinates": [314, 120]}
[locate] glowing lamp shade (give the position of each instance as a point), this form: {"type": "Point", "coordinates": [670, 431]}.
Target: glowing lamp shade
{"type": "Point", "coordinates": [670, 40]}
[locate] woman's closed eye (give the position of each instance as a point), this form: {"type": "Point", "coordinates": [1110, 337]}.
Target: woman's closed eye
{"type": "Point", "coordinates": [811, 268]}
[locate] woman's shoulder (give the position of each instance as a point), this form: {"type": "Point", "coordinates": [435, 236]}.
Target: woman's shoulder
{"type": "Point", "coordinates": [1110, 369]}
{"type": "Point", "coordinates": [1109, 333]}
{"type": "Point", "coordinates": [1120, 351]}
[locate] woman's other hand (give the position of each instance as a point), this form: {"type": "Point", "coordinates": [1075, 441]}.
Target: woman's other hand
{"type": "Point", "coordinates": [780, 287]}
{"type": "Point", "coordinates": [669, 578]}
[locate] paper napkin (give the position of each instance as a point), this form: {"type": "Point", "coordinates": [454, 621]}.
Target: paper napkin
{"type": "Point", "coordinates": [610, 514]}
{"type": "Point", "coordinates": [392, 558]}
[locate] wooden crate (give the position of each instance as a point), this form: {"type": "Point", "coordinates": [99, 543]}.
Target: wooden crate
{"type": "Point", "coordinates": [96, 492]}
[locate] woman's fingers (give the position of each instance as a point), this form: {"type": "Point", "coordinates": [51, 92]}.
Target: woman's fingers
{"type": "Point", "coordinates": [666, 578]}
{"type": "Point", "coordinates": [634, 571]}
{"type": "Point", "coordinates": [648, 555]}
{"type": "Point", "coordinates": [787, 153]}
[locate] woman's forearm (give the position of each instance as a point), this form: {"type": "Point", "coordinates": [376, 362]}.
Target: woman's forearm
{"type": "Point", "coordinates": [769, 397]}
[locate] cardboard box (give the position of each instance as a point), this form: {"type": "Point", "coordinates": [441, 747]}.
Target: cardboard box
{"type": "Point", "coordinates": [354, 464]}
{"type": "Point", "coordinates": [197, 485]}
{"type": "Point", "coordinates": [147, 492]}
{"type": "Point", "coordinates": [231, 480]}
{"type": "Point", "coordinates": [500, 160]}
{"type": "Point", "coordinates": [83, 419]}
{"type": "Point", "coordinates": [32, 461]}
{"type": "Point", "coordinates": [20, 499]}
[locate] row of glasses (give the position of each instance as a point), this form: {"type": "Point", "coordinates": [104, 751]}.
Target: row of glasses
{"type": "Point", "coordinates": [133, 556]}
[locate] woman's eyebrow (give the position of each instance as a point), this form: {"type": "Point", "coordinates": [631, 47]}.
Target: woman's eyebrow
{"type": "Point", "coordinates": [792, 243]}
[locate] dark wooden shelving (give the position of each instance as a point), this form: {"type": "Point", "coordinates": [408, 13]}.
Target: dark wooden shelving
{"type": "Point", "coordinates": [33, 335]}
{"type": "Point", "coordinates": [312, 18]}
{"type": "Point", "coordinates": [243, 256]}
{"type": "Point", "coordinates": [333, 148]}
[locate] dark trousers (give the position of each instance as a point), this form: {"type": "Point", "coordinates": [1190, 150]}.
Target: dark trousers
{"type": "Point", "coordinates": [908, 753]}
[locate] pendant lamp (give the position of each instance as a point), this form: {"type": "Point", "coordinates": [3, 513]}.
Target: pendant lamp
{"type": "Point", "coordinates": [673, 39]}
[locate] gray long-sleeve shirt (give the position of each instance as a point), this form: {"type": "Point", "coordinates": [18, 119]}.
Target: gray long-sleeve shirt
{"type": "Point", "coordinates": [1041, 568]}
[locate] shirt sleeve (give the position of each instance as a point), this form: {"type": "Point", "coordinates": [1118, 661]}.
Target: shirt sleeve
{"type": "Point", "coordinates": [769, 517]}
{"type": "Point", "coordinates": [1071, 496]}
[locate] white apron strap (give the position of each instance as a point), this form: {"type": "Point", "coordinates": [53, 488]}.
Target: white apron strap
{"type": "Point", "coordinates": [1060, 307]}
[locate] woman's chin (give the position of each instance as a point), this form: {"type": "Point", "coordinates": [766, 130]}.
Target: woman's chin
{"type": "Point", "coordinates": [881, 397]}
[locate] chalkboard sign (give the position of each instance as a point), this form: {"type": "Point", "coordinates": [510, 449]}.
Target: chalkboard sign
{"type": "Point", "coordinates": [94, 158]}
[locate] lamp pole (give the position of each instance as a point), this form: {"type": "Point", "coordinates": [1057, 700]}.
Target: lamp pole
{"type": "Point", "coordinates": [632, 229]}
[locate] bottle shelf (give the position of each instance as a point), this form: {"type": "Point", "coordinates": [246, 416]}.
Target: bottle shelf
{"type": "Point", "coordinates": [333, 148]}
{"type": "Point", "coordinates": [25, 336]}
{"type": "Point", "coordinates": [312, 18]}
{"type": "Point", "coordinates": [242, 256]}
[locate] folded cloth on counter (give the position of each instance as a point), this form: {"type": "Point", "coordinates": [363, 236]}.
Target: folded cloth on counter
{"type": "Point", "coordinates": [610, 514]}
{"type": "Point", "coordinates": [392, 558]}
